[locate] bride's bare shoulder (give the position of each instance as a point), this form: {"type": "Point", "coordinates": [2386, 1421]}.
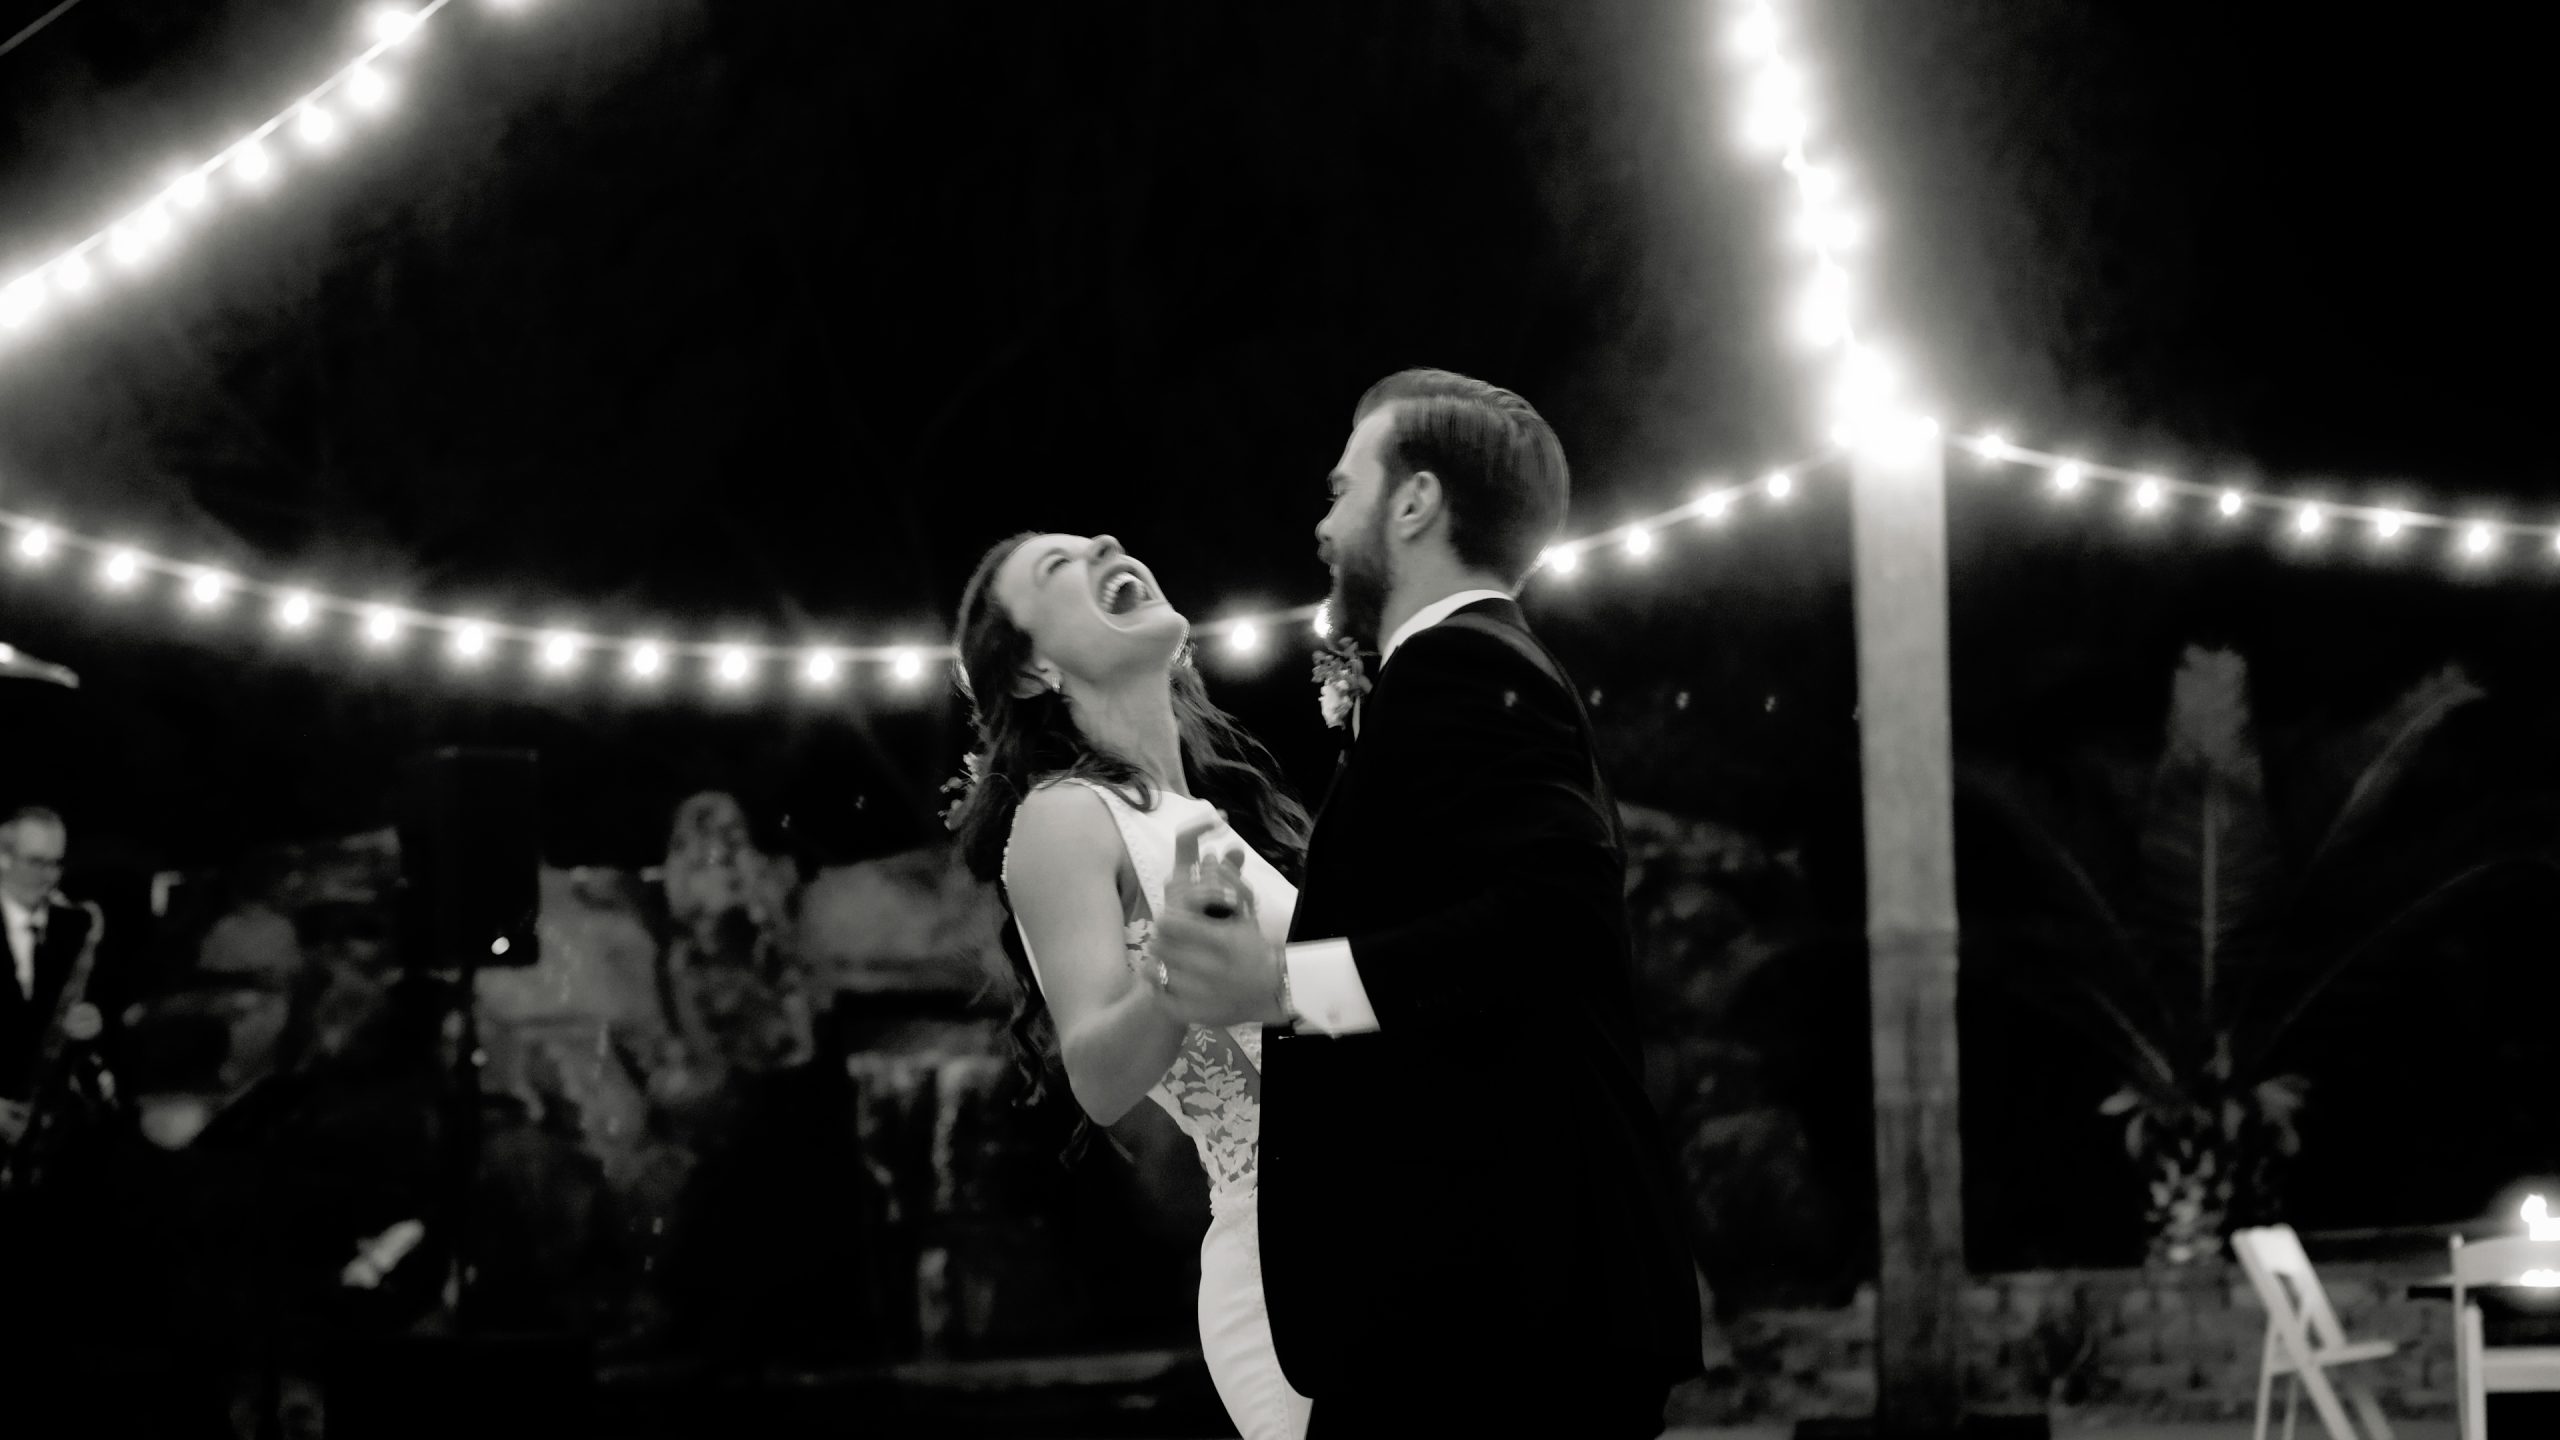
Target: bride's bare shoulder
{"type": "Point", "coordinates": [1060, 817]}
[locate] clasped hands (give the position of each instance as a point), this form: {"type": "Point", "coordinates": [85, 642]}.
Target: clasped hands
{"type": "Point", "coordinates": [1213, 966]}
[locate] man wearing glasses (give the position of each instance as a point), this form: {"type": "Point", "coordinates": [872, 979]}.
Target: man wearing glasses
{"type": "Point", "coordinates": [45, 935]}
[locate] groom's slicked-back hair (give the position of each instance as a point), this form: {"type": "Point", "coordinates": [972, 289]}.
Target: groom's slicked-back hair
{"type": "Point", "coordinates": [1500, 465]}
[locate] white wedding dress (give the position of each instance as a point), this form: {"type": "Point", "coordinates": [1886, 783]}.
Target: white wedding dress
{"type": "Point", "coordinates": [1214, 1092]}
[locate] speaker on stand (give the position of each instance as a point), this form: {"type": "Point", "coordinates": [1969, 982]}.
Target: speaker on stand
{"type": "Point", "coordinates": [471, 891]}
{"type": "Point", "coordinates": [470, 894]}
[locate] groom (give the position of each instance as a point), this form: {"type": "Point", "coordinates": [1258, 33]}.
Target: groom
{"type": "Point", "coordinates": [1468, 1216]}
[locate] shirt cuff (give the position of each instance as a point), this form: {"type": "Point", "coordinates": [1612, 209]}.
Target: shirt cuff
{"type": "Point", "coordinates": [1325, 989]}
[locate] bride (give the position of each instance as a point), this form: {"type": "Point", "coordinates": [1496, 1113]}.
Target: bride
{"type": "Point", "coordinates": [1097, 747]}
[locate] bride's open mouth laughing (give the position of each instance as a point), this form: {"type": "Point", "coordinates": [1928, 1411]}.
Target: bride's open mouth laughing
{"type": "Point", "coordinates": [1119, 589]}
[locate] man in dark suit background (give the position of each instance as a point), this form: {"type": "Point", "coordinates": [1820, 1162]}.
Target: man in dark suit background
{"type": "Point", "coordinates": [45, 937]}
{"type": "Point", "coordinates": [1468, 1214]}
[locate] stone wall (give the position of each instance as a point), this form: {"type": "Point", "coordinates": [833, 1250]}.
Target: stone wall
{"type": "Point", "coordinates": [2121, 1343]}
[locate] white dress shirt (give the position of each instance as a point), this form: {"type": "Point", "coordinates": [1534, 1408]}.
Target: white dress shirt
{"type": "Point", "coordinates": [23, 938]}
{"type": "Point", "coordinates": [1324, 982]}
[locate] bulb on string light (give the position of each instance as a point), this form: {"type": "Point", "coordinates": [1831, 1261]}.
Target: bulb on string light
{"type": "Point", "coordinates": [367, 88]}
{"type": "Point", "coordinates": [1639, 543]}
{"type": "Point", "coordinates": [1823, 320]}
{"type": "Point", "coordinates": [208, 589]}
{"type": "Point", "coordinates": [2387, 526]}
{"type": "Point", "coordinates": [559, 651]}
{"type": "Point", "coordinates": [1828, 230]}
{"type": "Point", "coordinates": [2309, 520]}
{"type": "Point", "coordinates": [1779, 485]}
{"type": "Point", "coordinates": [821, 669]}
{"type": "Point", "coordinates": [315, 125]}
{"type": "Point", "coordinates": [2478, 539]}
{"type": "Point", "coordinates": [22, 302]}
{"type": "Point", "coordinates": [1774, 117]}
{"type": "Point", "coordinates": [71, 274]}
{"type": "Point", "coordinates": [2231, 504]}
{"type": "Point", "coordinates": [1560, 559]}
{"type": "Point", "coordinates": [1754, 36]}
{"type": "Point", "coordinates": [35, 544]}
{"type": "Point", "coordinates": [121, 569]}
{"type": "Point", "coordinates": [1245, 638]}
{"type": "Point", "coordinates": [733, 667]}
{"type": "Point", "coordinates": [293, 612]}
{"type": "Point", "coordinates": [1323, 623]}
{"type": "Point", "coordinates": [647, 659]}
{"type": "Point", "coordinates": [470, 641]}
{"type": "Point", "coordinates": [1713, 508]}
{"type": "Point", "coordinates": [2148, 496]}
{"type": "Point", "coordinates": [381, 626]}
{"type": "Point", "coordinates": [907, 666]}
{"type": "Point", "coordinates": [190, 191]}
{"type": "Point", "coordinates": [392, 24]}
{"type": "Point", "coordinates": [135, 239]}
{"type": "Point", "coordinates": [2067, 477]}
{"type": "Point", "coordinates": [253, 163]}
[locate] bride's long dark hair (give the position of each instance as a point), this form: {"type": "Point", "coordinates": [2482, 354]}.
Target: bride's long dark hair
{"type": "Point", "coordinates": [1025, 740]}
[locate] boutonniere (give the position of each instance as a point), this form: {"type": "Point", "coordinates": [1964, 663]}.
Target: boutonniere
{"type": "Point", "coordinates": [1342, 677]}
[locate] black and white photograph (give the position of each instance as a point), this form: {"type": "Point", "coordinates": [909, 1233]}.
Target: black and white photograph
{"type": "Point", "coordinates": [1602, 719]}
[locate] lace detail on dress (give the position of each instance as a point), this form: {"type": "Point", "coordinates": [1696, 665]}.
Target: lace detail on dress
{"type": "Point", "coordinates": [1213, 1089]}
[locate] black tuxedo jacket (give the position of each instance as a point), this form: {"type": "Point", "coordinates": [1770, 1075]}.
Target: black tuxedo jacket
{"type": "Point", "coordinates": [23, 1018]}
{"type": "Point", "coordinates": [1484, 1169]}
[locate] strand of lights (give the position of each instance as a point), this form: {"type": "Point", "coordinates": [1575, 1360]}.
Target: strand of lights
{"type": "Point", "coordinates": [126, 575]}
{"type": "Point", "coordinates": [2476, 540]}
{"type": "Point", "coordinates": [315, 122]}
{"type": "Point", "coordinates": [1863, 387]}
{"type": "Point", "coordinates": [1637, 541]}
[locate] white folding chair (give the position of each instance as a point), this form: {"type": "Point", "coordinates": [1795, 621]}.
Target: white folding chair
{"type": "Point", "coordinates": [2481, 1368]}
{"type": "Point", "coordinates": [2304, 1339]}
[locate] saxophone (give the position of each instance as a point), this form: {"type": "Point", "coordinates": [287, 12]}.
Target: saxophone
{"type": "Point", "coordinates": [25, 1162]}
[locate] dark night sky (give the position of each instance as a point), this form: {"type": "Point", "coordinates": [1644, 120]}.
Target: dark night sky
{"type": "Point", "coordinates": [761, 320]}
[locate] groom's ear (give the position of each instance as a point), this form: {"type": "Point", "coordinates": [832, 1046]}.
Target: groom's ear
{"type": "Point", "coordinates": [1417, 503]}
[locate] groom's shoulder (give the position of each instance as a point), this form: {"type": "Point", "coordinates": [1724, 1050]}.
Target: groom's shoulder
{"type": "Point", "coordinates": [1470, 651]}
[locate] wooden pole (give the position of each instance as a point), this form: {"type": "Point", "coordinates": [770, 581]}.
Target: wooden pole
{"type": "Point", "coordinates": [1898, 521]}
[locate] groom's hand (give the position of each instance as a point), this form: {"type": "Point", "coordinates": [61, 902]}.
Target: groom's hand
{"type": "Point", "coordinates": [1216, 969]}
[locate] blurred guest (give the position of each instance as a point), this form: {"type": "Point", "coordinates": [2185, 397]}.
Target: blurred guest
{"type": "Point", "coordinates": [47, 935]}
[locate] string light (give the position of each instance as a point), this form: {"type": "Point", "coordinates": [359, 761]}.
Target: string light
{"type": "Point", "coordinates": [35, 543]}
{"type": "Point", "coordinates": [1780, 484]}
{"type": "Point", "coordinates": [381, 625]}
{"type": "Point", "coordinates": [470, 642]}
{"type": "Point", "coordinates": [208, 589]}
{"type": "Point", "coordinates": [1245, 638]}
{"type": "Point", "coordinates": [1862, 392]}
{"type": "Point", "coordinates": [907, 666]}
{"type": "Point", "coordinates": [1639, 543]}
{"type": "Point", "coordinates": [733, 667]}
{"type": "Point", "coordinates": [821, 669]}
{"type": "Point", "coordinates": [2303, 520]}
{"type": "Point", "coordinates": [647, 659]}
{"type": "Point", "coordinates": [121, 570]}
{"type": "Point", "coordinates": [559, 652]}
{"type": "Point", "coordinates": [293, 611]}
{"type": "Point", "coordinates": [138, 236]}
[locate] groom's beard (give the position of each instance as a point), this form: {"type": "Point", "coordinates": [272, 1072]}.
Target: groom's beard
{"type": "Point", "coordinates": [1358, 604]}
